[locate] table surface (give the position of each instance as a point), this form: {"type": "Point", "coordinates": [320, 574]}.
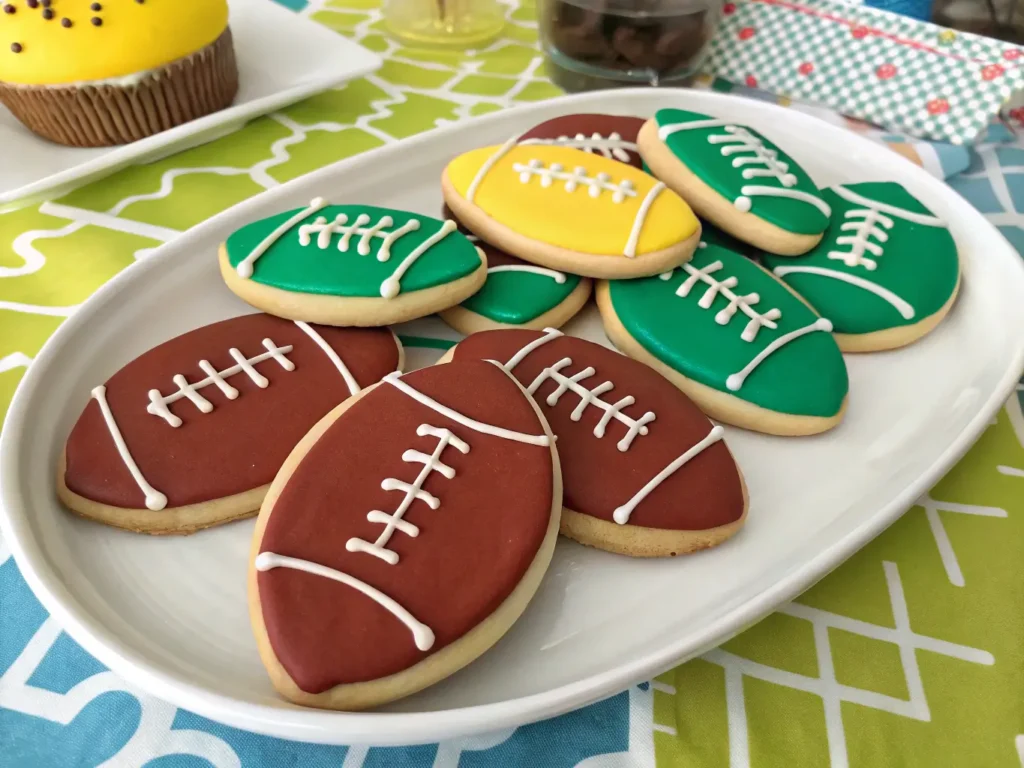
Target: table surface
{"type": "Point", "coordinates": [909, 654]}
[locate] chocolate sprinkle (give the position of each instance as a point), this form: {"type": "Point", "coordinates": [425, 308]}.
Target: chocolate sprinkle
{"type": "Point", "coordinates": [32, 3]}
{"type": "Point", "coordinates": [65, 22]}
{"type": "Point", "coordinates": [47, 13]}
{"type": "Point", "coordinates": [96, 21]}
{"type": "Point", "coordinates": [8, 8]}
{"type": "Point", "coordinates": [46, 3]}
{"type": "Point", "coordinates": [95, 7]}
{"type": "Point", "coordinates": [16, 47]}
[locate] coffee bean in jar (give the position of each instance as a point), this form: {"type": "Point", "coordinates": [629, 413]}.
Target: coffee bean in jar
{"type": "Point", "coordinates": [601, 43]}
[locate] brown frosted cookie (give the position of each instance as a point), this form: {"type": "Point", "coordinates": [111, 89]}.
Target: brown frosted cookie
{"type": "Point", "coordinates": [645, 472]}
{"type": "Point", "coordinates": [191, 433]}
{"type": "Point", "coordinates": [403, 536]}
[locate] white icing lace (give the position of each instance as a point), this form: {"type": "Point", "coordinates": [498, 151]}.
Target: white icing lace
{"type": "Point", "coordinates": [873, 224]}
{"type": "Point", "coordinates": [325, 230]}
{"type": "Point", "coordinates": [413, 492]}
{"type": "Point", "coordinates": [744, 304]}
{"type": "Point", "coordinates": [752, 151]}
{"type": "Point", "coordinates": [158, 403]}
{"type": "Point", "coordinates": [592, 397]}
{"type": "Point", "coordinates": [576, 178]}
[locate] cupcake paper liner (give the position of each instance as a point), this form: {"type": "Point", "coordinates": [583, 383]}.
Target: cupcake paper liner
{"type": "Point", "coordinates": [102, 115]}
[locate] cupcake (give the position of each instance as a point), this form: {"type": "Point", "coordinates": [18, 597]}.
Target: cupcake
{"type": "Point", "coordinates": [91, 73]}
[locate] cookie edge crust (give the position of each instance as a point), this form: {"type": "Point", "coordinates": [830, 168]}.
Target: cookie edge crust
{"type": "Point", "coordinates": [708, 204]}
{"type": "Point", "coordinates": [351, 311]}
{"type": "Point", "coordinates": [555, 257]}
{"type": "Point", "coordinates": [437, 666]}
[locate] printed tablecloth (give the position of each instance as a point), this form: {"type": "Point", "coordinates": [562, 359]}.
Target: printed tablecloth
{"type": "Point", "coordinates": [910, 654]}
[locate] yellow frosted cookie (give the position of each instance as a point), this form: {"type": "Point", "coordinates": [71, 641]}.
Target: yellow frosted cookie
{"type": "Point", "coordinates": [571, 210]}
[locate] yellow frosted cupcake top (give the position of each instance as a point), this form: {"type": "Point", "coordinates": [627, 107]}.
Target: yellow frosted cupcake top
{"type": "Point", "coordinates": [52, 42]}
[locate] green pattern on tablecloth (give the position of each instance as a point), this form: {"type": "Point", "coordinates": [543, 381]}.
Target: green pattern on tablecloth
{"type": "Point", "coordinates": [766, 697]}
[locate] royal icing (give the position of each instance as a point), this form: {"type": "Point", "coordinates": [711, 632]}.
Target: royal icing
{"type": "Point", "coordinates": [558, 277]}
{"type": "Point", "coordinates": [422, 635]}
{"type": "Point", "coordinates": [597, 474]}
{"type": "Point", "coordinates": [588, 397]}
{"type": "Point", "coordinates": [622, 513]}
{"type": "Point", "coordinates": [725, 155]}
{"type": "Point", "coordinates": [158, 402]}
{"type": "Point", "coordinates": [334, 357]}
{"type": "Point", "coordinates": [352, 250]}
{"type": "Point", "coordinates": [154, 499]}
{"type": "Point", "coordinates": [413, 492]}
{"type": "Point", "coordinates": [612, 146]}
{"type": "Point", "coordinates": [885, 260]}
{"type": "Point", "coordinates": [574, 179]}
{"type": "Point", "coordinates": [686, 319]}
{"type": "Point", "coordinates": [552, 194]}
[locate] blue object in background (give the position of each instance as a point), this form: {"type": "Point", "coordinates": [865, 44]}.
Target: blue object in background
{"type": "Point", "coordinates": [916, 9]}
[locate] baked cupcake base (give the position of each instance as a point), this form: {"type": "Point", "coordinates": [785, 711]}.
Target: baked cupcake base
{"type": "Point", "coordinates": [105, 114]}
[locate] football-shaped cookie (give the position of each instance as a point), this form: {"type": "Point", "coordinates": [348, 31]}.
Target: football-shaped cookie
{"type": "Point", "coordinates": [517, 294]}
{"type": "Point", "coordinates": [886, 271]}
{"type": "Point", "coordinates": [735, 178]}
{"type": "Point", "coordinates": [403, 536]}
{"type": "Point", "coordinates": [644, 471]}
{"type": "Point", "coordinates": [611, 136]}
{"type": "Point", "coordinates": [351, 264]}
{"type": "Point", "coordinates": [735, 339]}
{"type": "Point", "coordinates": [191, 433]}
{"type": "Point", "coordinates": [572, 211]}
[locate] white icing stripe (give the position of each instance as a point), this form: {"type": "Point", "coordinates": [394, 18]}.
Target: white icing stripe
{"type": "Point", "coordinates": [735, 381]}
{"type": "Point", "coordinates": [558, 277]}
{"type": "Point", "coordinates": [621, 514]}
{"type": "Point", "coordinates": [413, 492]}
{"type": "Point", "coordinates": [158, 402]}
{"type": "Point", "coordinates": [592, 397]}
{"type": "Point", "coordinates": [667, 130]}
{"type": "Point", "coordinates": [892, 210]}
{"type": "Point", "coordinates": [393, 285]}
{"type": "Point", "coordinates": [612, 146]}
{"type": "Point", "coordinates": [901, 306]}
{"type": "Point", "coordinates": [503, 150]}
{"type": "Point", "coordinates": [724, 288]}
{"type": "Point", "coordinates": [754, 190]}
{"type": "Point", "coordinates": [595, 185]}
{"type": "Point", "coordinates": [550, 334]}
{"type": "Point", "coordinates": [346, 374]}
{"type": "Point", "coordinates": [641, 217]}
{"type": "Point", "coordinates": [325, 230]}
{"type": "Point", "coordinates": [245, 266]}
{"type": "Point", "coordinates": [421, 633]}
{"type": "Point", "coordinates": [395, 380]}
{"type": "Point", "coordinates": [154, 499]}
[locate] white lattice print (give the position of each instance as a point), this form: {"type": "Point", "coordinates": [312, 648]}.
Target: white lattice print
{"type": "Point", "coordinates": [744, 304]}
{"type": "Point", "coordinates": [578, 177]}
{"type": "Point", "coordinates": [592, 397]}
{"type": "Point", "coordinates": [413, 492]}
{"type": "Point", "coordinates": [325, 230]}
{"type": "Point", "coordinates": [158, 402]}
{"type": "Point", "coordinates": [833, 693]}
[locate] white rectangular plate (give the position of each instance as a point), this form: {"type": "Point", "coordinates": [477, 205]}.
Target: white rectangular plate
{"type": "Point", "coordinates": [170, 613]}
{"type": "Point", "coordinates": [282, 58]}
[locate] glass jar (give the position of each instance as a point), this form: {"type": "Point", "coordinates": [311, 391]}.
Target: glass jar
{"type": "Point", "coordinates": [603, 43]}
{"type": "Point", "coordinates": [454, 23]}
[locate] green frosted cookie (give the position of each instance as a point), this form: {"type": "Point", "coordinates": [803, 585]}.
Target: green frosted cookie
{"type": "Point", "coordinates": [351, 264]}
{"type": "Point", "coordinates": [736, 178]}
{"type": "Point", "coordinates": [734, 338]}
{"type": "Point", "coordinates": [886, 271]}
